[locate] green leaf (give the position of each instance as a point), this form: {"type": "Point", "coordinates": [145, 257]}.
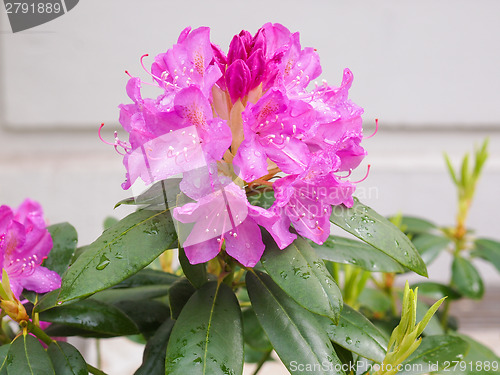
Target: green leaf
{"type": "Point", "coordinates": [93, 316]}
{"type": "Point", "coordinates": [488, 250]}
{"type": "Point", "coordinates": [147, 315]}
{"type": "Point", "coordinates": [466, 278]}
{"type": "Point", "coordinates": [464, 171]}
{"type": "Point", "coordinates": [28, 357]}
{"type": "Point", "coordinates": [475, 360]}
{"type": "Point", "coordinates": [433, 327]}
{"type": "Point", "coordinates": [433, 353]}
{"type": "Point", "coordinates": [4, 349]}
{"type": "Point", "coordinates": [303, 276]}
{"type": "Point", "coordinates": [451, 170]}
{"type": "Point", "coordinates": [153, 360]}
{"type": "Point", "coordinates": [436, 290]}
{"type": "Point", "coordinates": [64, 238]}
{"type": "Point", "coordinates": [147, 277]}
{"type": "Point", "coordinates": [208, 336]}
{"type": "Point", "coordinates": [131, 294]}
{"type": "Point", "coordinates": [375, 300]}
{"type": "Point", "coordinates": [294, 332]}
{"type": "Point", "coordinates": [158, 194]}
{"type": "Point", "coordinates": [119, 252]}
{"type": "Point", "coordinates": [254, 335]}
{"type": "Point", "coordinates": [416, 225]}
{"type": "Point", "coordinates": [357, 334]}
{"type": "Point", "coordinates": [344, 250]}
{"type": "Point", "coordinates": [344, 355]}
{"type": "Point", "coordinates": [430, 246]}
{"type": "Point", "coordinates": [195, 273]}
{"type": "Point", "coordinates": [66, 359]}
{"type": "Point", "coordinates": [372, 228]}
{"type": "Point", "coordinates": [109, 221]}
{"type": "Point", "coordinates": [262, 197]}
{"type": "Point", "coordinates": [180, 293]}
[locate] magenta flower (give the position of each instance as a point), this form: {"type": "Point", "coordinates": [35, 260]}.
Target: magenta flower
{"type": "Point", "coordinates": [234, 123]}
{"type": "Point", "coordinates": [24, 244]}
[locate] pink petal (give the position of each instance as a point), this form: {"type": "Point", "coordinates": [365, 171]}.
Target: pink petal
{"type": "Point", "coordinates": [42, 280]}
{"type": "Point", "coordinates": [245, 243]}
{"type": "Point", "coordinates": [202, 252]}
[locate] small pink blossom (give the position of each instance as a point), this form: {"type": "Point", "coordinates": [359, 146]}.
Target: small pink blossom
{"type": "Point", "coordinates": [24, 243]}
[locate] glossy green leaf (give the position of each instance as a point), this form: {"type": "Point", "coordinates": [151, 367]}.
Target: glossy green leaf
{"type": "Point", "coordinates": [253, 333]}
{"type": "Point", "coordinates": [466, 278]}
{"type": "Point", "coordinates": [131, 294]}
{"type": "Point", "coordinates": [153, 360]}
{"type": "Point", "coordinates": [158, 194]}
{"type": "Point", "coordinates": [208, 335]}
{"type": "Point", "coordinates": [147, 277]}
{"type": "Point", "coordinates": [303, 276]}
{"type": "Point", "coordinates": [372, 228]}
{"type": "Point", "coordinates": [180, 293]}
{"type": "Point", "coordinates": [28, 357]}
{"type": "Point", "coordinates": [4, 349]}
{"type": "Point", "coordinates": [430, 246]}
{"type": "Point", "coordinates": [433, 354]}
{"type": "Point", "coordinates": [64, 238]}
{"type": "Point", "coordinates": [479, 360]}
{"type": "Point", "coordinates": [62, 330]}
{"type": "Point", "coordinates": [345, 250]}
{"type": "Point", "coordinates": [93, 316]}
{"type": "Point", "coordinates": [436, 290]}
{"type": "Point", "coordinates": [195, 273]}
{"type": "Point", "coordinates": [66, 359]}
{"type": "Point", "coordinates": [416, 225]}
{"type": "Point", "coordinates": [345, 356]}
{"type": "Point", "coordinates": [119, 252]}
{"type": "Point", "coordinates": [48, 301]}
{"type": "Point", "coordinates": [488, 250]}
{"type": "Point", "coordinates": [147, 315]}
{"type": "Point", "coordinates": [295, 333]}
{"type": "Point", "coordinates": [357, 334]}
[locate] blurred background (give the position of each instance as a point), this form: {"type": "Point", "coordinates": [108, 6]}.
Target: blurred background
{"type": "Point", "coordinates": [429, 71]}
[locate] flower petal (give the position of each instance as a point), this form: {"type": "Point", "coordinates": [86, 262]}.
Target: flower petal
{"type": "Point", "coordinates": [245, 243]}
{"type": "Point", "coordinates": [42, 280]}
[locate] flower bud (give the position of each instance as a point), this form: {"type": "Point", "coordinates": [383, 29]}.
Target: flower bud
{"type": "Point", "coordinates": [238, 79]}
{"type": "Point", "coordinates": [236, 50]}
{"type": "Point", "coordinates": [14, 309]}
{"type": "Point", "coordinates": [257, 65]}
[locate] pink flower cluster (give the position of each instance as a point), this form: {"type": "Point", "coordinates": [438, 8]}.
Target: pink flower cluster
{"type": "Point", "coordinates": [24, 244]}
{"type": "Point", "coordinates": [231, 123]}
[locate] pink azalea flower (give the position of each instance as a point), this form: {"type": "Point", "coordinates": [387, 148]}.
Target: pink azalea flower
{"type": "Point", "coordinates": [24, 244]}
{"type": "Point", "coordinates": [233, 122]}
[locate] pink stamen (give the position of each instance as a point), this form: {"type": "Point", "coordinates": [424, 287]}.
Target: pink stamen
{"type": "Point", "coordinates": [366, 176]}
{"type": "Point", "coordinates": [146, 70]}
{"type": "Point", "coordinates": [350, 171]}
{"type": "Point", "coordinates": [376, 130]}
{"type": "Point", "coordinates": [127, 73]}
{"type": "Point", "coordinates": [101, 138]}
{"type": "Point", "coordinates": [116, 148]}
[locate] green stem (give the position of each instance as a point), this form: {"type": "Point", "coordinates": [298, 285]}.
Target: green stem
{"type": "Point", "coordinates": [94, 370]}
{"type": "Point", "coordinates": [263, 360]}
{"type": "Point", "coordinates": [444, 316]}
{"type": "Point", "coordinates": [98, 352]}
{"type": "Point", "coordinates": [39, 333]}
